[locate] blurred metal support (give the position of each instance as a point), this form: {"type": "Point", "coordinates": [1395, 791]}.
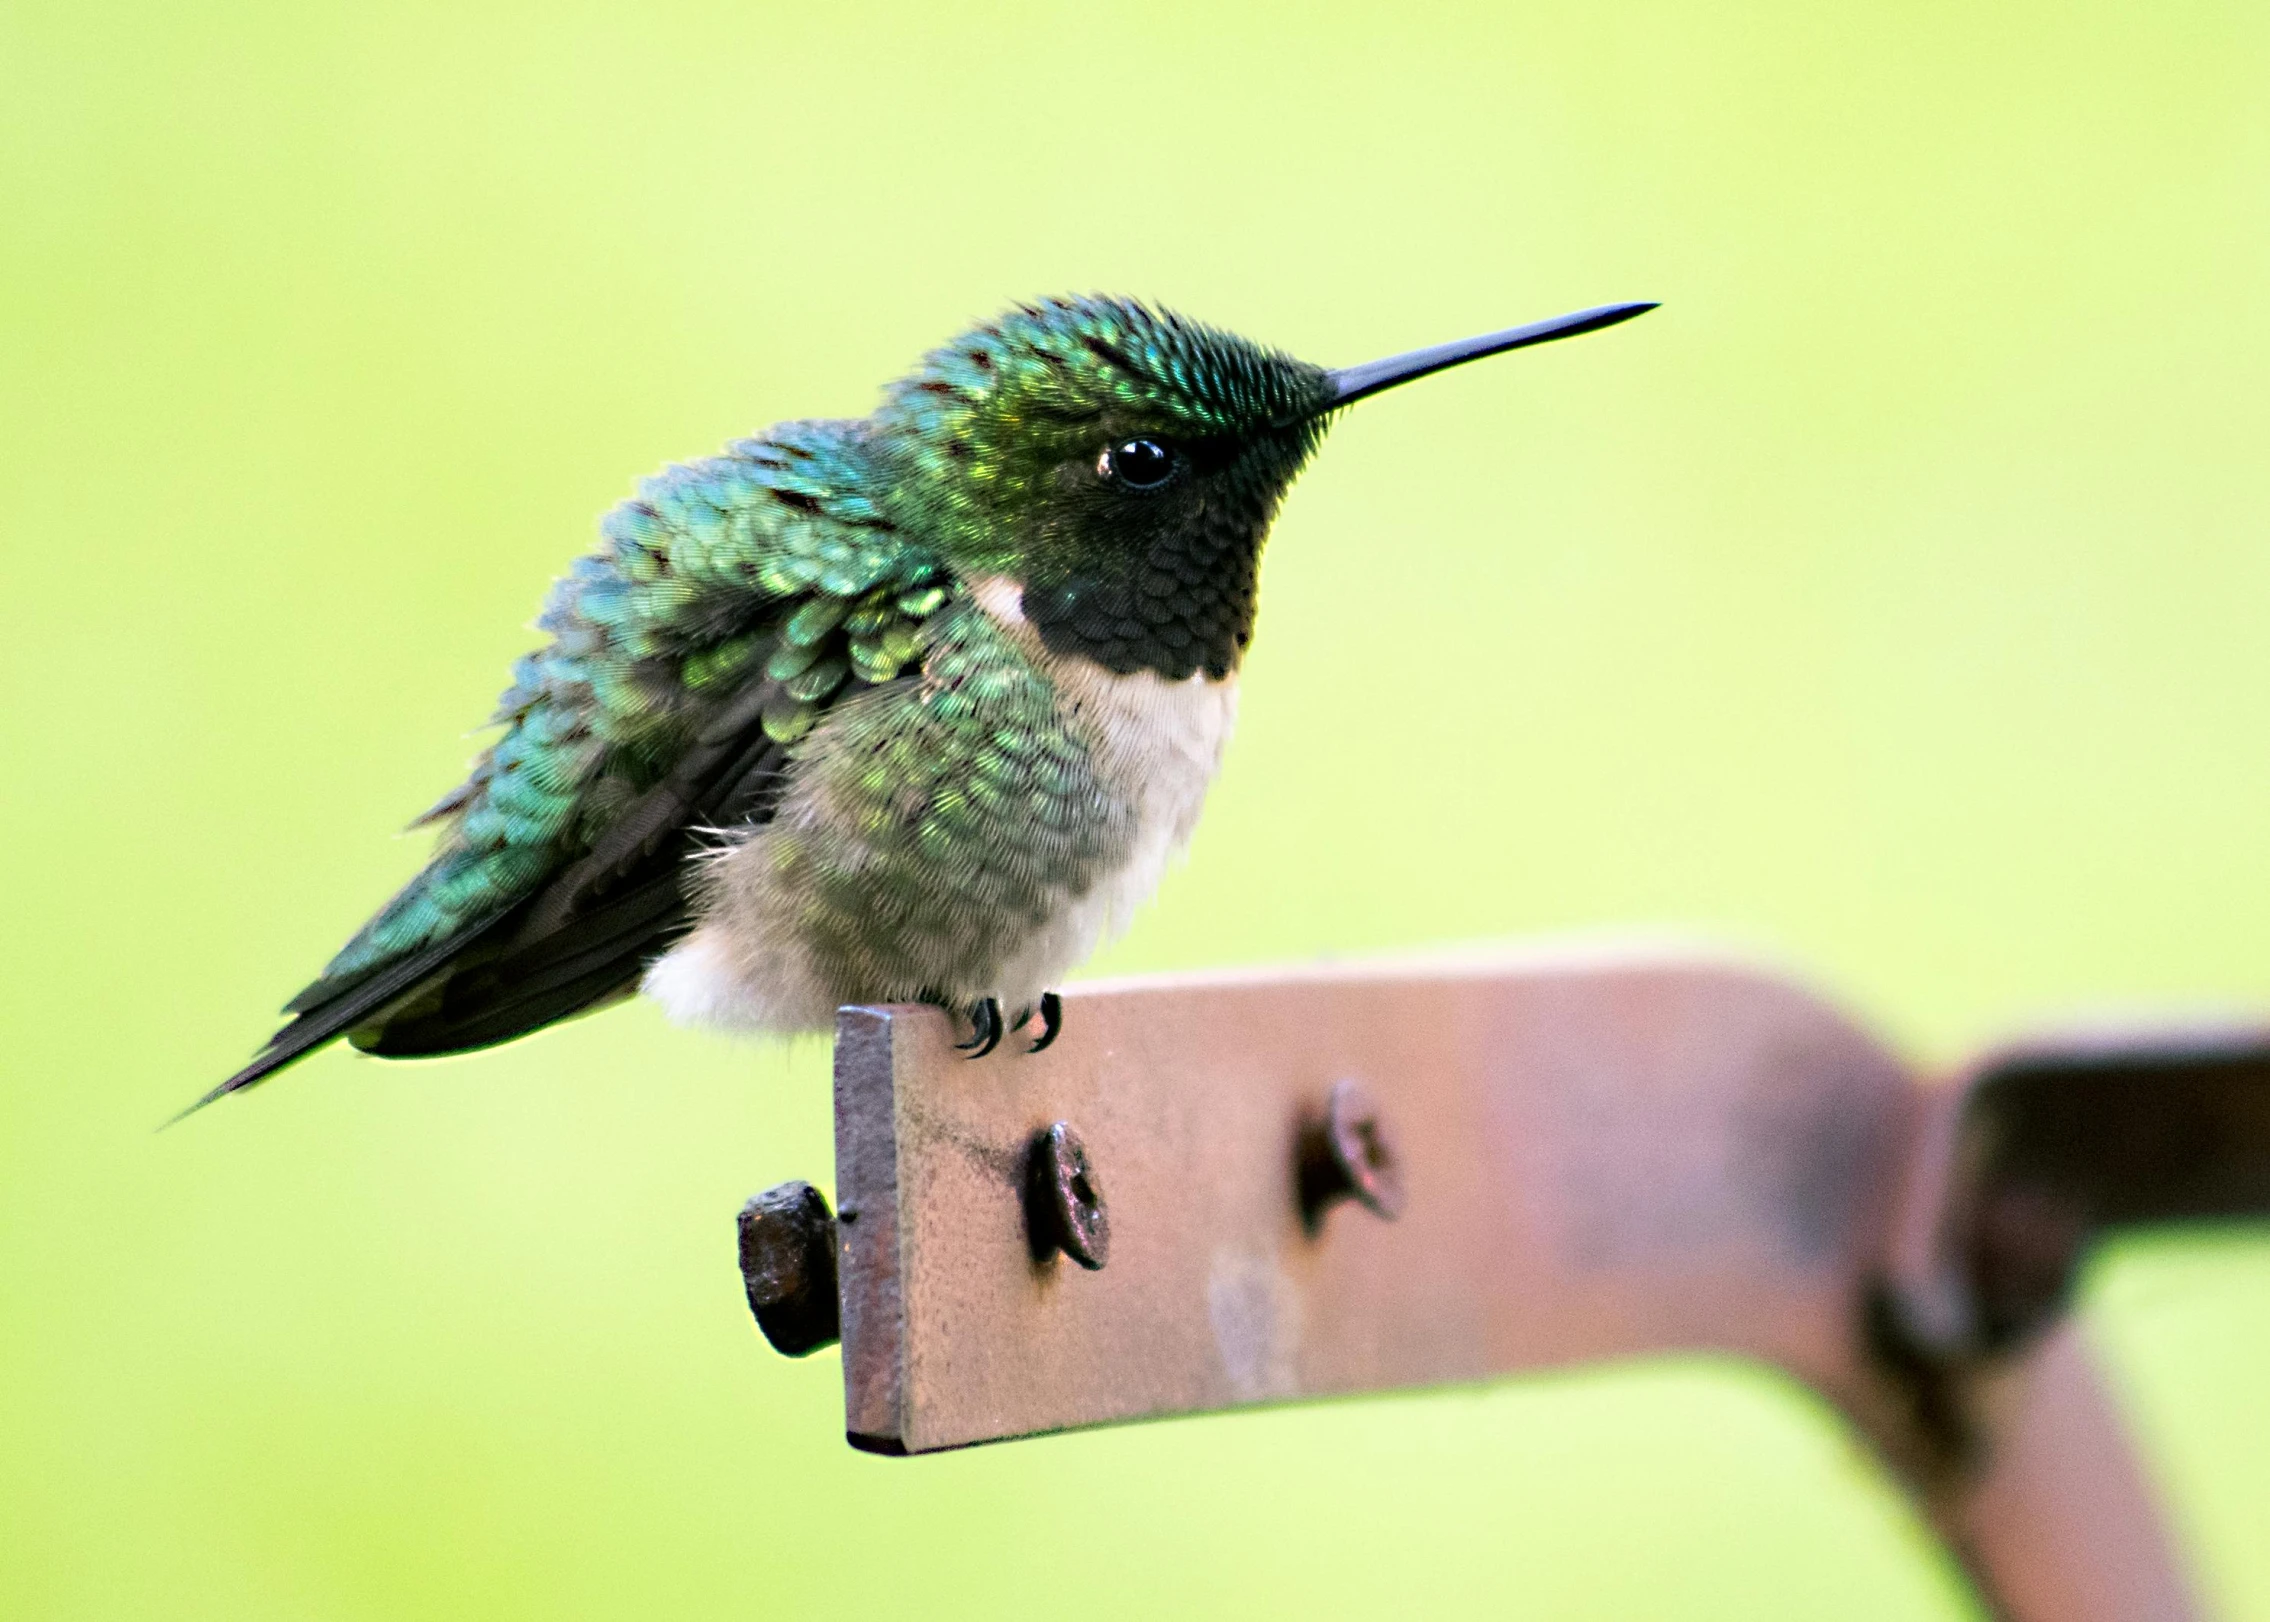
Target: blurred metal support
{"type": "Point", "coordinates": [1334, 1181]}
{"type": "Point", "coordinates": [2053, 1513]}
{"type": "Point", "coordinates": [2019, 1166]}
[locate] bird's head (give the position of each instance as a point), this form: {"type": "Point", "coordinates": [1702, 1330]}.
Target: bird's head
{"type": "Point", "coordinates": [1119, 466]}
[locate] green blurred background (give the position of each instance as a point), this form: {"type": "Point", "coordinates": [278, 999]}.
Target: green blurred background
{"type": "Point", "coordinates": [1892, 600]}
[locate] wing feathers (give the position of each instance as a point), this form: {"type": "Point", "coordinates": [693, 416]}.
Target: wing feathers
{"type": "Point", "coordinates": [561, 873]}
{"type": "Point", "coordinates": [594, 930]}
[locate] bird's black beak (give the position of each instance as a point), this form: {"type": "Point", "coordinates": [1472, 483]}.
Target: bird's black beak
{"type": "Point", "coordinates": [1353, 383]}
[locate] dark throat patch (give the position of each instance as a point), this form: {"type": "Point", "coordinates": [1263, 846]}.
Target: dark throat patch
{"type": "Point", "coordinates": [1168, 582]}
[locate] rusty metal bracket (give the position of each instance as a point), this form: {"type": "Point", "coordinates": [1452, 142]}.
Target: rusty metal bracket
{"type": "Point", "coordinates": [1226, 1190]}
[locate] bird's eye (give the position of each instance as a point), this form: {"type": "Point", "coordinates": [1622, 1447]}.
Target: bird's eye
{"type": "Point", "coordinates": [1139, 464]}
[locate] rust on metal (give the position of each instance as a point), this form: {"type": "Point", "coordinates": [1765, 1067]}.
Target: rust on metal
{"type": "Point", "coordinates": [1588, 1155]}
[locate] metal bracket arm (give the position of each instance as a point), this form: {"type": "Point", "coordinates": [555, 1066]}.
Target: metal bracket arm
{"type": "Point", "coordinates": [1241, 1189]}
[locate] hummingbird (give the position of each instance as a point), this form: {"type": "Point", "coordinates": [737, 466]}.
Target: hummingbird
{"type": "Point", "coordinates": [914, 707]}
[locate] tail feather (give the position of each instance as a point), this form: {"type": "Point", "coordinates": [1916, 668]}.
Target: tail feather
{"type": "Point", "coordinates": [351, 1005]}
{"type": "Point", "coordinates": [579, 940]}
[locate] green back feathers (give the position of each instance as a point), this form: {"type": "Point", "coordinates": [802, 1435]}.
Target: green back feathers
{"type": "Point", "coordinates": [770, 565]}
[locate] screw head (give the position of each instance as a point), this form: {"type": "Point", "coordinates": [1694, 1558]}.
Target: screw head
{"type": "Point", "coordinates": [788, 1267]}
{"type": "Point", "coordinates": [1348, 1154]}
{"type": "Point", "coordinates": [1064, 1203]}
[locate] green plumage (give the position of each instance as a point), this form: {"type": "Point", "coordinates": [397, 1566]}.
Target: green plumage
{"type": "Point", "coordinates": [944, 819]}
{"type": "Point", "coordinates": [744, 562]}
{"type": "Point", "coordinates": [913, 706]}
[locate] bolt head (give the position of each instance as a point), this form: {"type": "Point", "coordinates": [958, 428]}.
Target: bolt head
{"type": "Point", "coordinates": [788, 1267]}
{"type": "Point", "coordinates": [1065, 1202]}
{"type": "Point", "coordinates": [1355, 1134]}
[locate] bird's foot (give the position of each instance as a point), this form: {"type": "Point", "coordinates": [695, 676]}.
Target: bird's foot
{"type": "Point", "coordinates": [985, 1029]}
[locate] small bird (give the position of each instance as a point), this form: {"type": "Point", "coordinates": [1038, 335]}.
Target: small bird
{"type": "Point", "coordinates": [913, 707]}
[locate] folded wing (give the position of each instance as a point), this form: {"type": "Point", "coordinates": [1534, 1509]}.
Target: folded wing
{"type": "Point", "coordinates": [729, 605]}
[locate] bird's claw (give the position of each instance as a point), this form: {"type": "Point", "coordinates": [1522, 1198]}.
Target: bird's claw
{"type": "Point", "coordinates": [985, 1023]}
{"type": "Point", "coordinates": [1051, 1021]}
{"type": "Point", "coordinates": [987, 1029]}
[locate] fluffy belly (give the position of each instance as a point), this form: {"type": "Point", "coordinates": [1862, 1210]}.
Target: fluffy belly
{"type": "Point", "coordinates": [988, 919]}
{"type": "Point", "coordinates": [1160, 744]}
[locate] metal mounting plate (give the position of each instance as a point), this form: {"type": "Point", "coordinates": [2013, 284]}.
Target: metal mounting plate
{"type": "Point", "coordinates": [1601, 1154]}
